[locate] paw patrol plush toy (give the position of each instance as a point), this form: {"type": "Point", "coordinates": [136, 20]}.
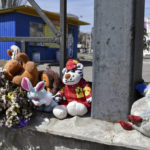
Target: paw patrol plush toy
{"type": "Point", "coordinates": [76, 95]}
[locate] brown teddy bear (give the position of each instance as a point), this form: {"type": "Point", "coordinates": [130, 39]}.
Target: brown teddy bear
{"type": "Point", "coordinates": [16, 70]}
{"type": "Point", "coordinates": [52, 79]}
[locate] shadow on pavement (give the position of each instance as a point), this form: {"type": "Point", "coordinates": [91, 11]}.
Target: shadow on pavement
{"type": "Point", "coordinates": [86, 62]}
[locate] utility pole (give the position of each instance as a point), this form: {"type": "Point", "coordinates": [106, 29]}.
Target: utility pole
{"type": "Point", "coordinates": [63, 14]}
{"type": "Point", "coordinates": [118, 54]}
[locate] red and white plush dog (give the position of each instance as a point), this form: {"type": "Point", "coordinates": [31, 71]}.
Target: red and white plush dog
{"type": "Point", "coordinates": [76, 96]}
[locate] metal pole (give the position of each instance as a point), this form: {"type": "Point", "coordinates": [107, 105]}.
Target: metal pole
{"type": "Point", "coordinates": [24, 46]}
{"type": "Point", "coordinates": [44, 17]}
{"type": "Point", "coordinates": [63, 12]}
{"type": "Point", "coordinates": [30, 39]}
{"type": "Point", "coordinates": [137, 50]}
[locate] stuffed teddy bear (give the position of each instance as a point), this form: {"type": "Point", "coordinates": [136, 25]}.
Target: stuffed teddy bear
{"type": "Point", "coordinates": [15, 71]}
{"type": "Point", "coordinates": [52, 79]}
{"type": "Point", "coordinates": [13, 52]}
{"type": "Point", "coordinates": [38, 95]}
{"type": "Point", "coordinates": [140, 112]}
{"type": "Point", "coordinates": [76, 96]}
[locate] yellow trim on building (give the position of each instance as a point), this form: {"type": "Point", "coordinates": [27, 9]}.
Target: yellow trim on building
{"type": "Point", "coordinates": [28, 10]}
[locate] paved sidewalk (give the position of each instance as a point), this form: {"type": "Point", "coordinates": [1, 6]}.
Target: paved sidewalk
{"type": "Point", "coordinates": [87, 62]}
{"type": "Point", "coordinates": [55, 67]}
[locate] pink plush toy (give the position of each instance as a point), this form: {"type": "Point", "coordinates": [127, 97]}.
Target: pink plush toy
{"type": "Point", "coordinates": [76, 95]}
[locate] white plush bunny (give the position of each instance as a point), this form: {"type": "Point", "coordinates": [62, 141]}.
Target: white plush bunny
{"type": "Point", "coordinates": [38, 95]}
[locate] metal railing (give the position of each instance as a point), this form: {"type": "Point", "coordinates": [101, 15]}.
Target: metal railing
{"type": "Point", "coordinates": [59, 35]}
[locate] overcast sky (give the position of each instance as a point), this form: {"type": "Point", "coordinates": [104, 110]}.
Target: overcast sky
{"type": "Point", "coordinates": [84, 9]}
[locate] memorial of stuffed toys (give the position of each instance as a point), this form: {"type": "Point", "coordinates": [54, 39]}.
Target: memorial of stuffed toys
{"type": "Point", "coordinates": [25, 90]}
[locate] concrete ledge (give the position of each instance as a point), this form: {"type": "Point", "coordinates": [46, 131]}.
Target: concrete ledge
{"type": "Point", "coordinates": [72, 133]}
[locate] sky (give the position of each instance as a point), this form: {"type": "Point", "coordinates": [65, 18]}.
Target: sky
{"type": "Point", "coordinates": [84, 9]}
{"type": "Point", "coordinates": [147, 8]}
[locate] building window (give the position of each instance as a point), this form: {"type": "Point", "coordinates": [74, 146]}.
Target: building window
{"type": "Point", "coordinates": [42, 30]}
{"type": "Point", "coordinates": [36, 30]}
{"type": "Point", "coordinates": [49, 33]}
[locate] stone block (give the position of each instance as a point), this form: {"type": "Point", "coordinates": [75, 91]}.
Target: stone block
{"type": "Point", "coordinates": [48, 133]}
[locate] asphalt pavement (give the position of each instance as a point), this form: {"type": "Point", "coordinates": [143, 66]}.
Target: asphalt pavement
{"type": "Point", "coordinates": [87, 71]}
{"type": "Point", "coordinates": [86, 59]}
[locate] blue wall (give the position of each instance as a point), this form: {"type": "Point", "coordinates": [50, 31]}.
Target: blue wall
{"type": "Point", "coordinates": [23, 29]}
{"type": "Point", "coordinates": [16, 24]}
{"type": "Point", "coordinates": [7, 28]}
{"type": "Point", "coordinates": [47, 54]}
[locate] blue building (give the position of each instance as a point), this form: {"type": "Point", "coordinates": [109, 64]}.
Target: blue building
{"type": "Point", "coordinates": [23, 21]}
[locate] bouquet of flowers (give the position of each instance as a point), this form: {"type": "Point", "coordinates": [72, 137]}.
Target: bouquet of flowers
{"type": "Point", "coordinates": [15, 109]}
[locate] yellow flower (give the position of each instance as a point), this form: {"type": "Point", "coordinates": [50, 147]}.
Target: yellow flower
{"type": "Point", "coordinates": [10, 96]}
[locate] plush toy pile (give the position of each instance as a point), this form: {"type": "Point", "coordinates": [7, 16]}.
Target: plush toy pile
{"type": "Point", "coordinates": [15, 109]}
{"type": "Point", "coordinates": [21, 93]}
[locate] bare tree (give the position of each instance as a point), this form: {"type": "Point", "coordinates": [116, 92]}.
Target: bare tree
{"type": "Point", "coordinates": [11, 3]}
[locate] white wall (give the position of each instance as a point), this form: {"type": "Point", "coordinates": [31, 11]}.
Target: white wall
{"type": "Point", "coordinates": [147, 25]}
